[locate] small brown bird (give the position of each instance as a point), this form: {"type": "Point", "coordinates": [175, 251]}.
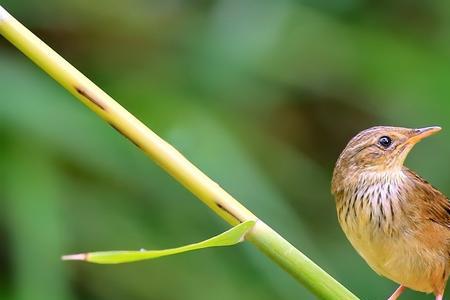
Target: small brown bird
{"type": "Point", "coordinates": [396, 220]}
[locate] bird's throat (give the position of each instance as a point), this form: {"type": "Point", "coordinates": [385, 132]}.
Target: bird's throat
{"type": "Point", "coordinates": [370, 201]}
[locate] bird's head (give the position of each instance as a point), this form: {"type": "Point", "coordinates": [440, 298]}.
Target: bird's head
{"type": "Point", "coordinates": [381, 148]}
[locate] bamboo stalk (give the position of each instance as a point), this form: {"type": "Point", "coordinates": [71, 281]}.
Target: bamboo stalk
{"type": "Point", "coordinates": [262, 236]}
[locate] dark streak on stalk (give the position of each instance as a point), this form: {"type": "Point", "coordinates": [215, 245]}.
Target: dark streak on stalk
{"type": "Point", "coordinates": [83, 93]}
{"type": "Point", "coordinates": [228, 212]}
{"type": "Point", "coordinates": [125, 135]}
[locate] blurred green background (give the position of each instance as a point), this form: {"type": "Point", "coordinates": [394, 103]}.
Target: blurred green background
{"type": "Point", "coordinates": [261, 95]}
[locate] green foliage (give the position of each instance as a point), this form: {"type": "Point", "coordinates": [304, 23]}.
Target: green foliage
{"type": "Point", "coordinates": [261, 95]}
{"type": "Point", "coordinates": [230, 237]}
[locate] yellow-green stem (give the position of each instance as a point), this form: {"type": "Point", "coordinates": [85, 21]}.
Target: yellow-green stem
{"type": "Point", "coordinates": [265, 238]}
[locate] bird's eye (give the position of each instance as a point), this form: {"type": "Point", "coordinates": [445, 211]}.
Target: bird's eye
{"type": "Point", "coordinates": [385, 141]}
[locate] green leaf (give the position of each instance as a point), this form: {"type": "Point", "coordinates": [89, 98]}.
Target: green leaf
{"type": "Point", "coordinates": [230, 237]}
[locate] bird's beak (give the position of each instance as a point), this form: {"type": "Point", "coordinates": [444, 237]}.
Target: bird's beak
{"type": "Point", "coordinates": [419, 134]}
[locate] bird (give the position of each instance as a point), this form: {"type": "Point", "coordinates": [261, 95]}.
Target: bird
{"type": "Point", "coordinates": [397, 221]}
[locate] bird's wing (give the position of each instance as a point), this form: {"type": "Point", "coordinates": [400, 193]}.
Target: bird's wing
{"type": "Point", "coordinates": [435, 205]}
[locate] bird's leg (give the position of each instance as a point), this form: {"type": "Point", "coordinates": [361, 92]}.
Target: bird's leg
{"type": "Point", "coordinates": [440, 293]}
{"type": "Point", "coordinates": [399, 291]}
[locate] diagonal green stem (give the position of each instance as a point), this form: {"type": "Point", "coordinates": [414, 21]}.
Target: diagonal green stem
{"type": "Point", "coordinates": [262, 236]}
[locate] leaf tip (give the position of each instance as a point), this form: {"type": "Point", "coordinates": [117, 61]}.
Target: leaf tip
{"type": "Point", "coordinates": [80, 256]}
